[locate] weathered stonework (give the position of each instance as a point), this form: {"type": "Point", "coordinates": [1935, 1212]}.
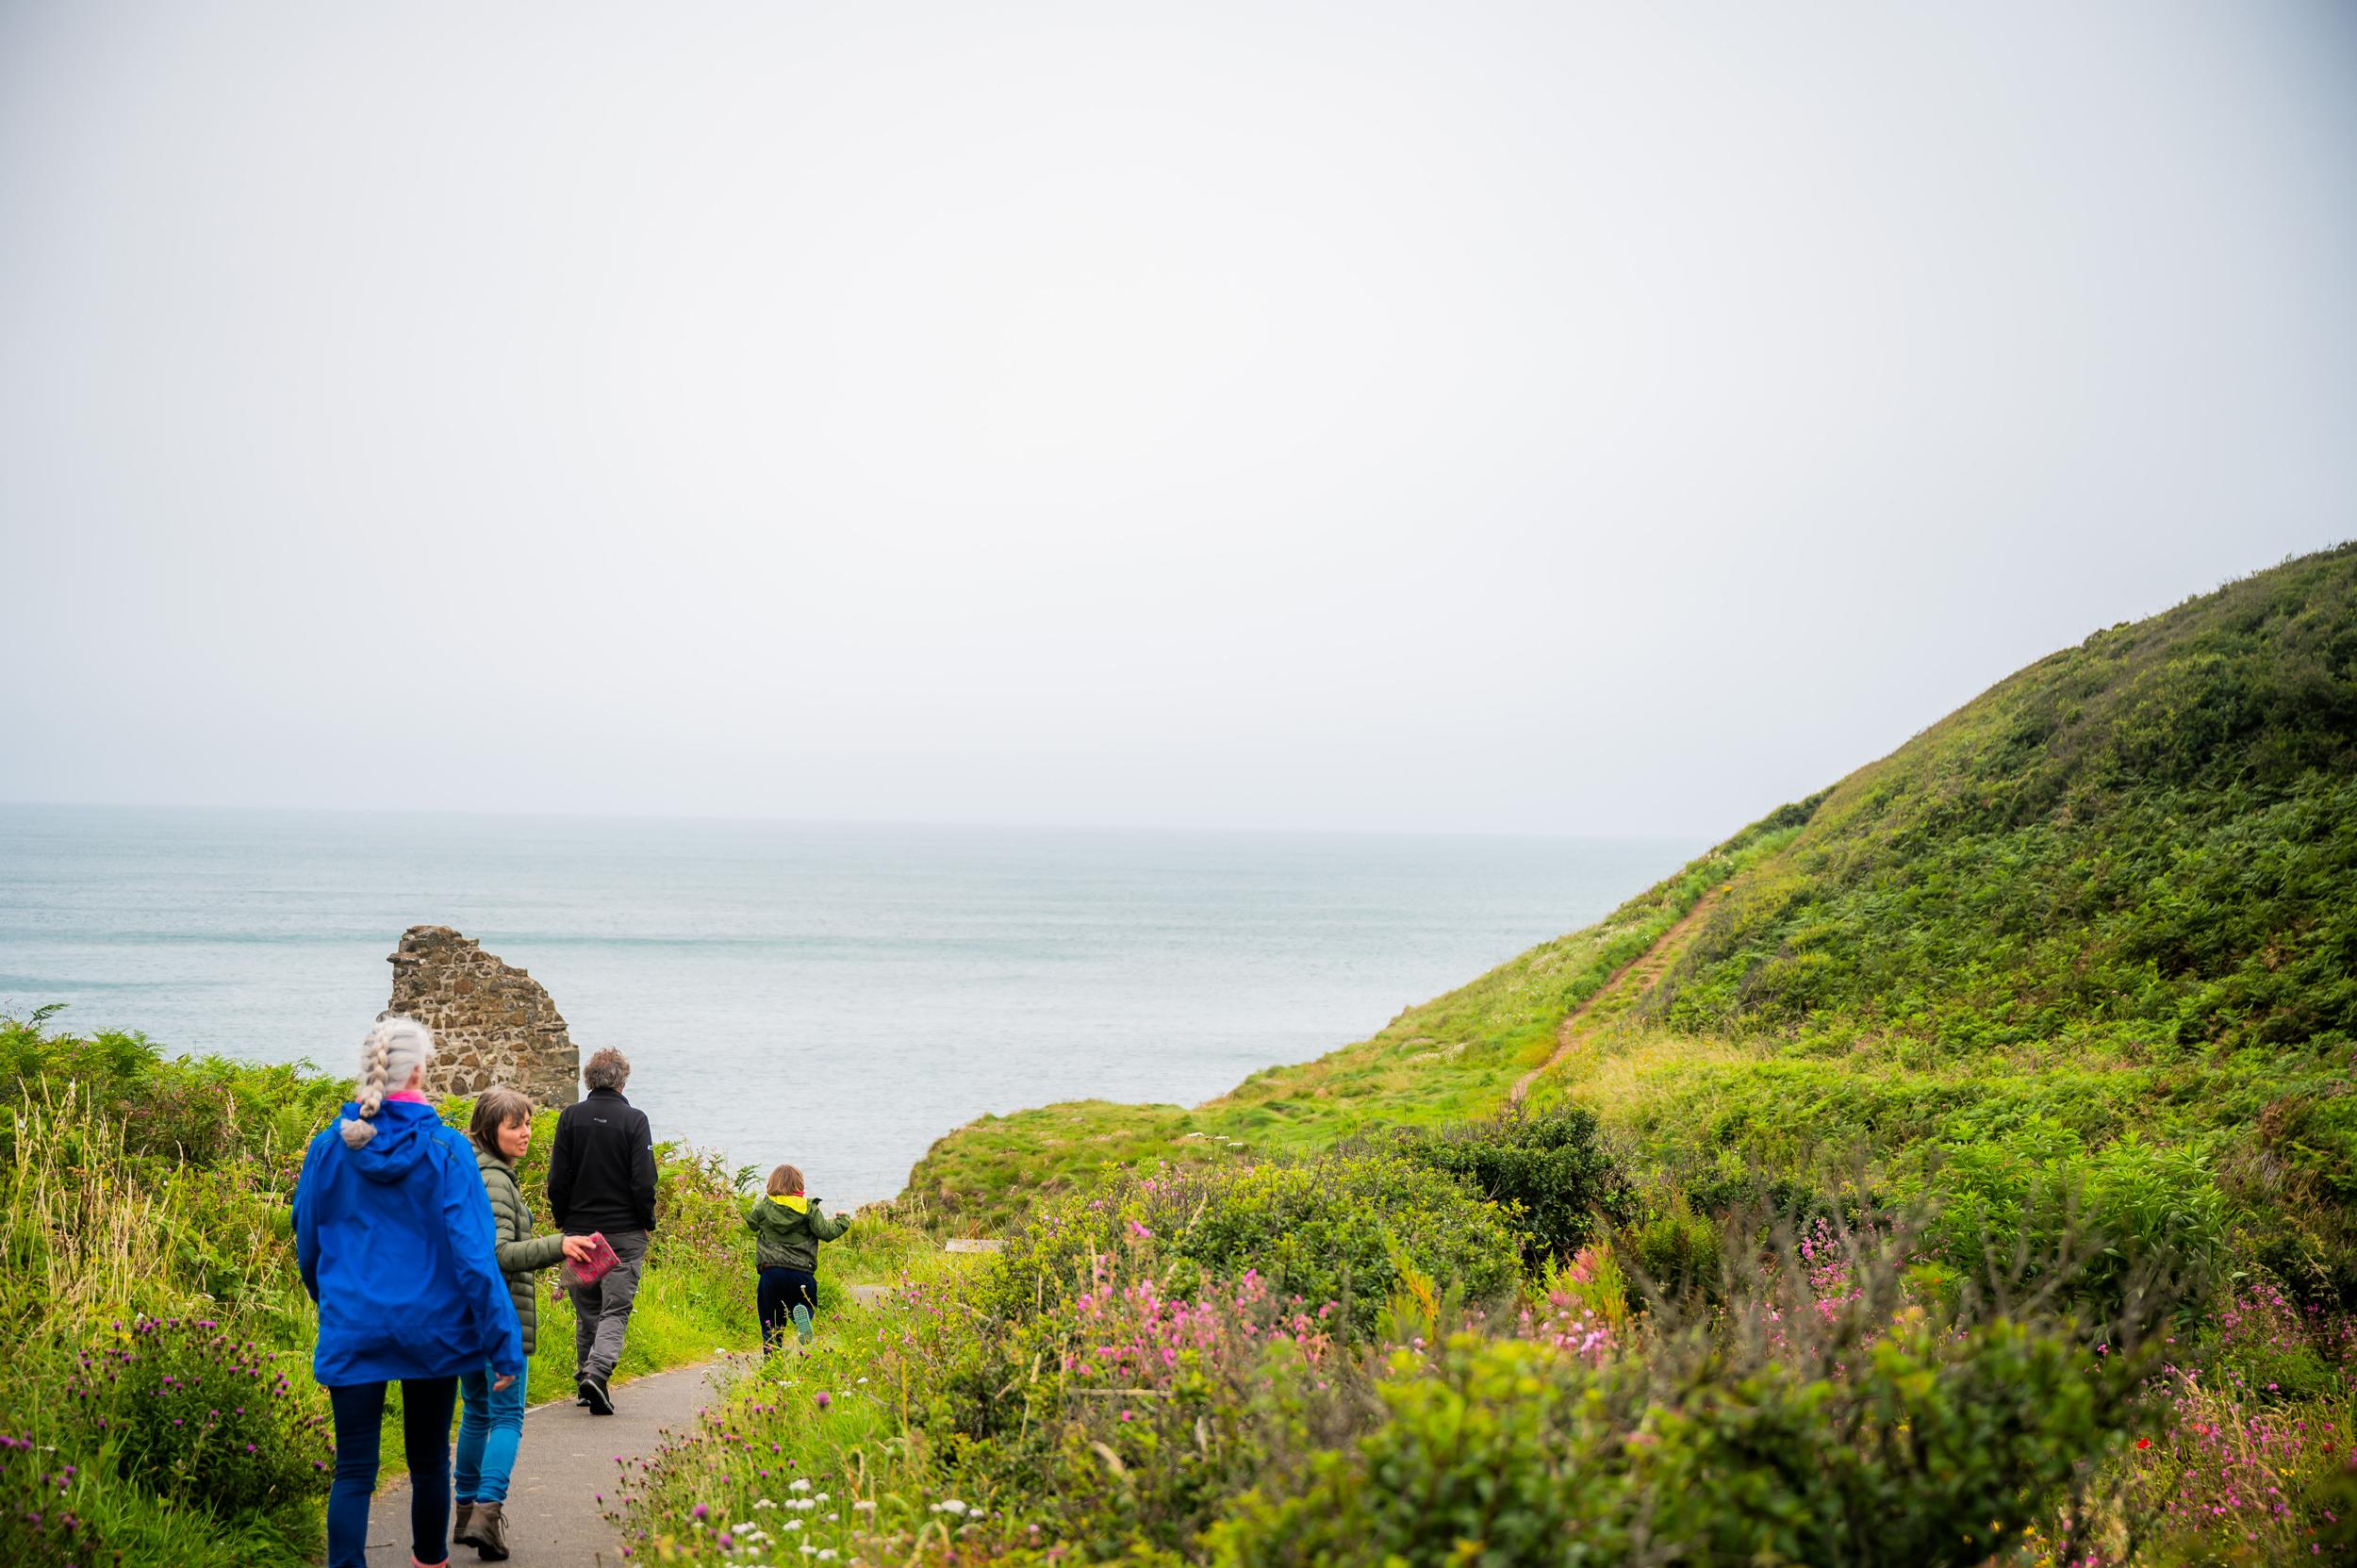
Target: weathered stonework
{"type": "Point", "coordinates": [492, 1023]}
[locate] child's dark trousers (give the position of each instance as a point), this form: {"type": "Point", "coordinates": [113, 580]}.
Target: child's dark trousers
{"type": "Point", "coordinates": [782, 1291]}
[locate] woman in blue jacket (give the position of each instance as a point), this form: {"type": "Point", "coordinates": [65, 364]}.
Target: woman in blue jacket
{"type": "Point", "coordinates": [397, 1245]}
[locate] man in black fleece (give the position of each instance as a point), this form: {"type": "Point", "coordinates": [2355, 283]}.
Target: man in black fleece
{"type": "Point", "coordinates": [601, 1178]}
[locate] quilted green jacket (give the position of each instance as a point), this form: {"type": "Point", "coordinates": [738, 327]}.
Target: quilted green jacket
{"type": "Point", "coordinates": [786, 1231]}
{"type": "Point", "coordinates": [521, 1254]}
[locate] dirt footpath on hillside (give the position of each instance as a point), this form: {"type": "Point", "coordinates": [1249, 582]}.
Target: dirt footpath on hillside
{"type": "Point", "coordinates": [1639, 975]}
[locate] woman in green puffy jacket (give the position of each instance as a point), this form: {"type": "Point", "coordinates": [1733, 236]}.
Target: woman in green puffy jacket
{"type": "Point", "coordinates": [492, 1419]}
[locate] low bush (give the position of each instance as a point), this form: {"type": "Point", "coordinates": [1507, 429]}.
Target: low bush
{"type": "Point", "coordinates": [1549, 1170]}
{"type": "Point", "coordinates": [193, 1413]}
{"type": "Point", "coordinates": [1332, 1228]}
{"type": "Point", "coordinates": [2019, 1193]}
{"type": "Point", "coordinates": [1675, 1251]}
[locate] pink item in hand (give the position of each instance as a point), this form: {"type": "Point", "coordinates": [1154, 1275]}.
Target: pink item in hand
{"type": "Point", "coordinates": [601, 1262]}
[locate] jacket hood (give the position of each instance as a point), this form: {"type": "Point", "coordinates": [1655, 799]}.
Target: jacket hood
{"type": "Point", "coordinates": [403, 1132]}
{"type": "Point", "coordinates": [794, 1201]}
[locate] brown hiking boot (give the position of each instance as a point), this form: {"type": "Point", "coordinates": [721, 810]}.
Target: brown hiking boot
{"type": "Point", "coordinates": [462, 1528]}
{"type": "Point", "coordinates": [491, 1532]}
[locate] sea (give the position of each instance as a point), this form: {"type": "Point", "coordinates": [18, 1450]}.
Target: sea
{"type": "Point", "coordinates": [835, 995]}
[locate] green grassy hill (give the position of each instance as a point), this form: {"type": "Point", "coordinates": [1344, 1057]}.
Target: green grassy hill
{"type": "Point", "coordinates": [2099, 927]}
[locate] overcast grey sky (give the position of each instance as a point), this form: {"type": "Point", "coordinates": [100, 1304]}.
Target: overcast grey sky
{"type": "Point", "coordinates": [1454, 417]}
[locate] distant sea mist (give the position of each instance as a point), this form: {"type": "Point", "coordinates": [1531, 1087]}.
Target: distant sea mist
{"type": "Point", "coordinates": [838, 996]}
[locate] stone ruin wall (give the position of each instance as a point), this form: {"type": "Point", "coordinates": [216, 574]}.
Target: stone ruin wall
{"type": "Point", "coordinates": [492, 1022]}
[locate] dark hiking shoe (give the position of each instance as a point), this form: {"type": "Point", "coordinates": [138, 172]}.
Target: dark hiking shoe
{"type": "Point", "coordinates": [491, 1532]}
{"type": "Point", "coordinates": [594, 1396]}
{"type": "Point", "coordinates": [462, 1528]}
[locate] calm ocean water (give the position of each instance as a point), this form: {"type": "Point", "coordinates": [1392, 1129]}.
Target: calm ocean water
{"type": "Point", "coordinates": [835, 995]}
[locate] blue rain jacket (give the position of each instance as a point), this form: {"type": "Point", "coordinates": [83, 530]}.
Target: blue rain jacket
{"type": "Point", "coordinates": [397, 1245]}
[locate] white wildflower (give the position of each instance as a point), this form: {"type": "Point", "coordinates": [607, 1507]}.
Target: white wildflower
{"type": "Point", "coordinates": [802, 1483]}
{"type": "Point", "coordinates": [765, 1503]}
{"type": "Point", "coordinates": [865, 1504]}
{"type": "Point", "coordinates": [948, 1505]}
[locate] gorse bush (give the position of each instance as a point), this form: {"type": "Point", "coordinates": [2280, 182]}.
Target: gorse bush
{"type": "Point", "coordinates": [1549, 1171]}
{"type": "Point", "coordinates": [1330, 1229]}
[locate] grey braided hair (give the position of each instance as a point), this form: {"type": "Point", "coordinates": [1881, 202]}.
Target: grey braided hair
{"type": "Point", "coordinates": [395, 1047]}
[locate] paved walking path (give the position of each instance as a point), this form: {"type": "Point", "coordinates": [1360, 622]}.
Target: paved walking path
{"type": "Point", "coordinates": [553, 1520]}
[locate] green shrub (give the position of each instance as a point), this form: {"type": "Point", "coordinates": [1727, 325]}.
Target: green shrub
{"type": "Point", "coordinates": [1332, 1228]}
{"type": "Point", "coordinates": [196, 1414]}
{"type": "Point", "coordinates": [195, 1112]}
{"type": "Point", "coordinates": [1548, 1170]}
{"type": "Point", "coordinates": [1677, 1251]}
{"type": "Point", "coordinates": [1485, 1462]}
{"type": "Point", "coordinates": [2035, 1191]}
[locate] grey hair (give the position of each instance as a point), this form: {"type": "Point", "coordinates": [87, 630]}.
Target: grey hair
{"type": "Point", "coordinates": [608, 1069]}
{"type": "Point", "coordinates": [396, 1048]}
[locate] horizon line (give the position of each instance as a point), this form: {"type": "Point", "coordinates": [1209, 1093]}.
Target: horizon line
{"type": "Point", "coordinates": [781, 819]}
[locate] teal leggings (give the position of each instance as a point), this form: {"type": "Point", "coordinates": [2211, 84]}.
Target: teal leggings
{"type": "Point", "coordinates": [491, 1426]}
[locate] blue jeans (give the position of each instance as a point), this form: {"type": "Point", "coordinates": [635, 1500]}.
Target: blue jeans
{"type": "Point", "coordinates": [424, 1437]}
{"type": "Point", "coordinates": [490, 1425]}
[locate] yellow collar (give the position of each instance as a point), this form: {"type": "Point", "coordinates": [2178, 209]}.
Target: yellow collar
{"type": "Point", "coordinates": [794, 1201]}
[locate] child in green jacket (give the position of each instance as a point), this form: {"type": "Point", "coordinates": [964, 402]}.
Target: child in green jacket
{"type": "Point", "coordinates": [787, 1227]}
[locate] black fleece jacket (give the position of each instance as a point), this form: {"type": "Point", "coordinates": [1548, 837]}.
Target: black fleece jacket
{"type": "Point", "coordinates": [602, 1166]}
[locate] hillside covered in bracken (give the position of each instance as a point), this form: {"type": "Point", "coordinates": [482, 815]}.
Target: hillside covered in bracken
{"type": "Point", "coordinates": [2036, 1033]}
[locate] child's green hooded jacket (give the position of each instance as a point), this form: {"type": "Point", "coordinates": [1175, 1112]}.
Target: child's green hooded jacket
{"type": "Point", "coordinates": [788, 1230]}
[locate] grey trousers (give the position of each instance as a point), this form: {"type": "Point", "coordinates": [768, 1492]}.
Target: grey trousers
{"type": "Point", "coordinates": [602, 1312]}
